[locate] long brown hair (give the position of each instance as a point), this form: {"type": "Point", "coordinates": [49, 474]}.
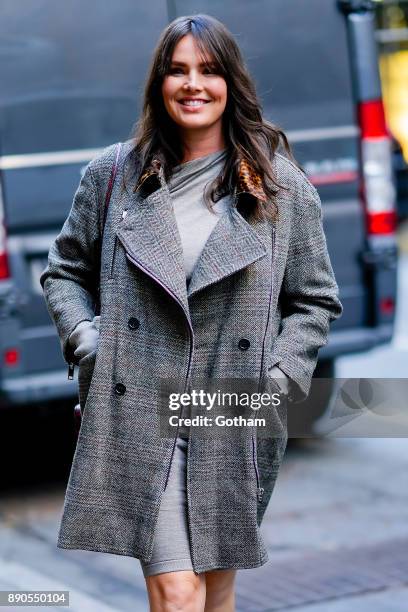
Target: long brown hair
{"type": "Point", "coordinates": [247, 134]}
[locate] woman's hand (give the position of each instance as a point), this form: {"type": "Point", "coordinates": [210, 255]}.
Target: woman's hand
{"type": "Point", "coordinates": [85, 337]}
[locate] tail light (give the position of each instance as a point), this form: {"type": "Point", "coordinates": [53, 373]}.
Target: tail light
{"type": "Point", "coordinates": [378, 189]}
{"type": "Point", "coordinates": [11, 357]}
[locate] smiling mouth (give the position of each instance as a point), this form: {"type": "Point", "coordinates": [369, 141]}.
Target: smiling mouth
{"type": "Point", "coordinates": [193, 102]}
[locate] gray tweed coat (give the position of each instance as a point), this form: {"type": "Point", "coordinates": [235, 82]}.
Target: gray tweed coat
{"type": "Point", "coordinates": [261, 294]}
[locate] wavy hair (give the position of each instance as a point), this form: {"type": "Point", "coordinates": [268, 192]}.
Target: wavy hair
{"type": "Point", "coordinates": [247, 134]}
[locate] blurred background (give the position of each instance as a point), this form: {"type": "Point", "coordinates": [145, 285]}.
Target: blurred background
{"type": "Point", "coordinates": [333, 74]}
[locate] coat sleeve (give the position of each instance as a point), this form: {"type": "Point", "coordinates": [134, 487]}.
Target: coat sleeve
{"type": "Point", "coordinates": [309, 297]}
{"type": "Point", "coordinates": [70, 279]}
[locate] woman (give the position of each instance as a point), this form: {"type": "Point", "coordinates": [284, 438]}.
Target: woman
{"type": "Point", "coordinates": [214, 266]}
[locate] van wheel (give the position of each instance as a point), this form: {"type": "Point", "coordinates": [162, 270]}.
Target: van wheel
{"type": "Point", "coordinates": [302, 416]}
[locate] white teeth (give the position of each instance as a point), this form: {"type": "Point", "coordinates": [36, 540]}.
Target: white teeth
{"type": "Point", "coordinates": [193, 103]}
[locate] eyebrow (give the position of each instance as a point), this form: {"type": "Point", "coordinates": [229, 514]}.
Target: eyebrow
{"type": "Point", "coordinates": [212, 63]}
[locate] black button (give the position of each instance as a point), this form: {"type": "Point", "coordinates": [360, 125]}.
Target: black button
{"type": "Point", "coordinates": [133, 323]}
{"type": "Point", "coordinates": [120, 389]}
{"type": "Point", "coordinates": [244, 344]}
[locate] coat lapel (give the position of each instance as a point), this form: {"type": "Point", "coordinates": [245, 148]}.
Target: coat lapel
{"type": "Point", "coordinates": [152, 242]}
{"type": "Point", "coordinates": [232, 245]}
{"type": "Point", "coordinates": [151, 238]}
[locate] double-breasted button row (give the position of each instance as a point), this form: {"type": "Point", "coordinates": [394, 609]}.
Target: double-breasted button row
{"type": "Point", "coordinates": [133, 323]}
{"type": "Point", "coordinates": [244, 344]}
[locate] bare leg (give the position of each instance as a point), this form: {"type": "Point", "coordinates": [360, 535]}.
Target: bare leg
{"type": "Point", "coordinates": [181, 590]}
{"type": "Point", "coordinates": [220, 596]}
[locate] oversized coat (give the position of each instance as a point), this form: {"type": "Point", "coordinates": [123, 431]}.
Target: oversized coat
{"type": "Point", "coordinates": [262, 293]}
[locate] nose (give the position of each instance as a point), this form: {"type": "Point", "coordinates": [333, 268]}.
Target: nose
{"type": "Point", "coordinates": [192, 81]}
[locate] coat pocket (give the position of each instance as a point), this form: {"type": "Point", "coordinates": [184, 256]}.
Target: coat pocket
{"type": "Point", "coordinates": [278, 419]}
{"type": "Point", "coordinates": [113, 258]}
{"type": "Point", "coordinates": [85, 372]}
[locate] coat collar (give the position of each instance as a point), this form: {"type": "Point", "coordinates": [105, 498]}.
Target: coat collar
{"type": "Point", "coordinates": [249, 180]}
{"type": "Point", "coordinates": [152, 242]}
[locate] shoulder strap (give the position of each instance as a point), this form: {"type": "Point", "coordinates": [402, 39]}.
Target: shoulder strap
{"type": "Point", "coordinates": [105, 211]}
{"type": "Point", "coordinates": [110, 185]}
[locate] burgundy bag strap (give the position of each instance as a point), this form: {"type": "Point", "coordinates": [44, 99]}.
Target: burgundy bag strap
{"type": "Point", "coordinates": [110, 186]}
{"type": "Point", "coordinates": [105, 212]}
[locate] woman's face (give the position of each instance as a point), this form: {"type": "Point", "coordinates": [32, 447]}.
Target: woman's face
{"type": "Point", "coordinates": [188, 79]}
